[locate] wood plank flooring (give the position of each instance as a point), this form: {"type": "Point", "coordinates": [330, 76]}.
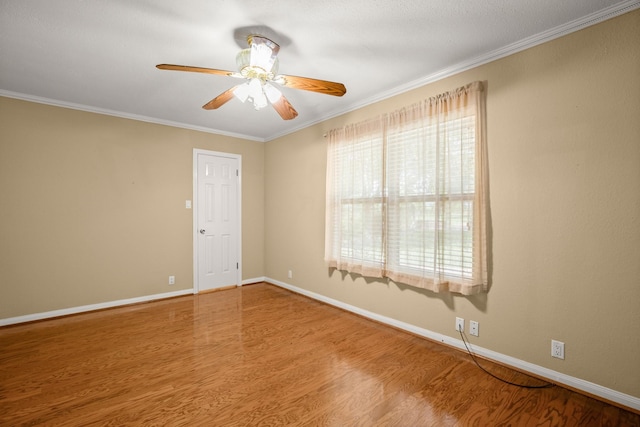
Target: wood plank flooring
{"type": "Point", "coordinates": [260, 355]}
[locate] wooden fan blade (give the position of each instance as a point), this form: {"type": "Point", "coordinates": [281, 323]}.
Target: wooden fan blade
{"type": "Point", "coordinates": [220, 100]}
{"type": "Point", "coordinates": [285, 109]}
{"type": "Point", "coordinates": [313, 85]}
{"type": "Point", "coordinates": [194, 69]}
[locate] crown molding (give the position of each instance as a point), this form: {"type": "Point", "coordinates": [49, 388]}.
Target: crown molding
{"type": "Point", "coordinates": [122, 115]}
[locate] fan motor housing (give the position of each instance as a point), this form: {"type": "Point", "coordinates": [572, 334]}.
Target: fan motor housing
{"type": "Point", "coordinates": [266, 51]}
{"type": "Point", "coordinates": [243, 61]}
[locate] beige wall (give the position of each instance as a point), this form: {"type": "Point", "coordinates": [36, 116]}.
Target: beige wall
{"type": "Point", "coordinates": [92, 207]}
{"type": "Point", "coordinates": [564, 161]}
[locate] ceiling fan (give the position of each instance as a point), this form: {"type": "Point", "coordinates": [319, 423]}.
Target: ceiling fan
{"type": "Point", "coordinates": [259, 65]}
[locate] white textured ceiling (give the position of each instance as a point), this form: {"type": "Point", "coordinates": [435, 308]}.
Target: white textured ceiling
{"type": "Point", "coordinates": [100, 55]}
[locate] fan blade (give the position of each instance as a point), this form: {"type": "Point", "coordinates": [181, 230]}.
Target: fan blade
{"type": "Point", "coordinates": [313, 85]}
{"type": "Point", "coordinates": [284, 108]}
{"type": "Point", "coordinates": [195, 69]}
{"type": "Point", "coordinates": [220, 100]}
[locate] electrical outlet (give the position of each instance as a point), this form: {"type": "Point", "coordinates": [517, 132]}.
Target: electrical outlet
{"type": "Point", "coordinates": [459, 324]}
{"type": "Point", "coordinates": [290, 274]}
{"type": "Point", "coordinates": [172, 280]}
{"type": "Point", "coordinates": [474, 328]}
{"type": "Point", "coordinates": [557, 349]}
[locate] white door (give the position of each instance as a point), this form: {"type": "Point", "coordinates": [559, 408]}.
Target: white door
{"type": "Point", "coordinates": [217, 231]}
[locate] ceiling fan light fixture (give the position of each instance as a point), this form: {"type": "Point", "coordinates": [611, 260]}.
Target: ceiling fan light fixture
{"type": "Point", "coordinates": [273, 94]}
{"type": "Point", "coordinates": [256, 94]}
{"type": "Point", "coordinates": [260, 101]}
{"type": "Point", "coordinates": [242, 92]}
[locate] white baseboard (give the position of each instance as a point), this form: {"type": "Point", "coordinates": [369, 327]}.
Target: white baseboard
{"type": "Point", "coordinates": [91, 307]}
{"type": "Point", "coordinates": [109, 304]}
{"type": "Point", "coordinates": [586, 387]}
{"type": "Point", "coordinates": [254, 280]}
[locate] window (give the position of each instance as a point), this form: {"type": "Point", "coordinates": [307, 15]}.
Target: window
{"type": "Point", "coordinates": [406, 195]}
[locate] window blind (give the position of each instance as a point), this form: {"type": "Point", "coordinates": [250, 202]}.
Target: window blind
{"type": "Point", "coordinates": [406, 195]}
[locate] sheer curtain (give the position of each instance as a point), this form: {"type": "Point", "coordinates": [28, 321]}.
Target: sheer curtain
{"type": "Point", "coordinates": [407, 195]}
{"type": "Point", "coordinates": [354, 229]}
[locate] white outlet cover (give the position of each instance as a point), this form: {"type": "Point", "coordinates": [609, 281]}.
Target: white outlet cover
{"type": "Point", "coordinates": [474, 328]}
{"type": "Point", "coordinates": [557, 349]}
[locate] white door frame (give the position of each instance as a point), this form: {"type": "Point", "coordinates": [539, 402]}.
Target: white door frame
{"type": "Point", "coordinates": [196, 152]}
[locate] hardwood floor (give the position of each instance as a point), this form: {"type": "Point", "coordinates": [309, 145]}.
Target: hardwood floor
{"type": "Point", "coordinates": [260, 355]}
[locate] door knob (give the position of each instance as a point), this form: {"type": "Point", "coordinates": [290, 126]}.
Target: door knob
{"type": "Point", "coordinates": [202, 231]}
